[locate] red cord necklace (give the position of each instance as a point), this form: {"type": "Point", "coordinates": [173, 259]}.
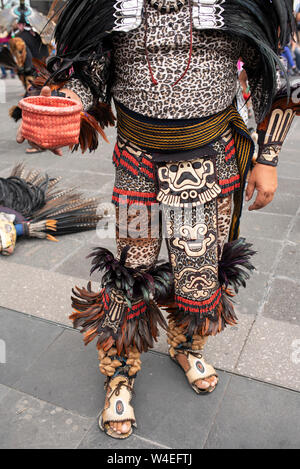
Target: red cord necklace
{"type": "Point", "coordinates": [153, 79]}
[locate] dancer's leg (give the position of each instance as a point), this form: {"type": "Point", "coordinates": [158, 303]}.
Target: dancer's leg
{"type": "Point", "coordinates": [198, 217]}
{"type": "Point", "coordinates": [124, 316]}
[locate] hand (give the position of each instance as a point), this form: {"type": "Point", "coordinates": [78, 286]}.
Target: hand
{"type": "Point", "coordinates": [46, 91]}
{"type": "Point", "coordinates": [263, 178]}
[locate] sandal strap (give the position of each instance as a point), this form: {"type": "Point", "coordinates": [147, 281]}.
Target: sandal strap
{"type": "Point", "coordinates": [199, 369]}
{"type": "Point", "coordinates": [118, 407]}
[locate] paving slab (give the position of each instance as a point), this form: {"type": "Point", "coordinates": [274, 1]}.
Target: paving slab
{"type": "Point", "coordinates": [254, 415]}
{"type": "Point", "coordinates": [272, 353]}
{"type": "Point", "coordinates": [44, 254]}
{"type": "Point", "coordinates": [264, 225]}
{"type": "Point", "coordinates": [164, 400]}
{"type": "Point", "coordinates": [286, 204]}
{"type": "Point", "coordinates": [94, 182]}
{"type": "Point", "coordinates": [67, 375]}
{"type": "Point", "coordinates": [25, 340]}
{"type": "Point", "coordinates": [6, 172]}
{"type": "Point", "coordinates": [283, 301]}
{"type": "Point", "coordinates": [28, 423]}
{"type": "Point", "coordinates": [37, 292]}
{"type": "Point", "coordinates": [267, 252]}
{"type": "Point", "coordinates": [4, 166]}
{"type": "Point", "coordinates": [294, 234]}
{"type": "Point", "coordinates": [224, 350]}
{"type": "Point", "coordinates": [4, 390]}
{"type": "Point", "coordinates": [249, 299]}
{"type": "Point", "coordinates": [290, 153]}
{"type": "Point", "coordinates": [95, 439]}
{"type": "Point", "coordinates": [289, 170]}
{"type": "Point", "coordinates": [289, 186]}
{"type": "Point", "coordinates": [289, 264]}
{"type": "Point", "coordinates": [77, 263]}
{"type": "Point", "coordinates": [56, 402]}
{"type": "Point", "coordinates": [75, 384]}
{"type": "Point", "coordinates": [90, 163]}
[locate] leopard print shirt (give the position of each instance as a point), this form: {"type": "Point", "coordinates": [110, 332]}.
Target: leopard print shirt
{"type": "Point", "coordinates": [209, 86]}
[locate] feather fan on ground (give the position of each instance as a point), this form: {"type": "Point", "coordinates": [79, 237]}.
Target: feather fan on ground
{"type": "Point", "coordinates": [45, 209]}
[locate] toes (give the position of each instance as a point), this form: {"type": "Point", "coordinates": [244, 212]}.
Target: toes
{"type": "Point", "coordinates": [125, 427]}
{"type": "Point", "coordinates": [113, 426]}
{"type": "Point", "coordinates": [214, 381]}
{"type": "Point", "coordinates": [201, 384]}
{"type": "Point", "coordinates": [120, 427]}
{"type": "Point", "coordinates": [207, 383]}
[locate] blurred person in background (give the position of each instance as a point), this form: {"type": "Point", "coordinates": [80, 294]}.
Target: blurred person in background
{"type": "Point", "coordinates": [288, 56]}
{"type": "Point", "coordinates": [35, 50]}
{"type": "Point", "coordinates": [295, 46]}
{"type": "Point", "coordinates": [4, 42]}
{"type": "Point", "coordinates": [31, 38]}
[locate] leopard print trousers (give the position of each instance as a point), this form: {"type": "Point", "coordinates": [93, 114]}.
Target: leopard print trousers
{"type": "Point", "coordinates": [195, 238]}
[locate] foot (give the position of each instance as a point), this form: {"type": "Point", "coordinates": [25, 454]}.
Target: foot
{"type": "Point", "coordinates": [202, 384]}
{"type": "Point", "coordinates": [117, 417]}
{"type": "Point", "coordinates": [118, 427]}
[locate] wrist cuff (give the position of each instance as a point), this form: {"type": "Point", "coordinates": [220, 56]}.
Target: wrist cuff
{"type": "Point", "coordinates": [269, 155]}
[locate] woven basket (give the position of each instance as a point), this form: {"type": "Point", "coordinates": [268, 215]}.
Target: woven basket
{"type": "Point", "coordinates": [50, 122]}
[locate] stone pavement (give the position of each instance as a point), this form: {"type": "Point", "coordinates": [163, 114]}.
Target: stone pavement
{"type": "Point", "coordinates": [50, 393]}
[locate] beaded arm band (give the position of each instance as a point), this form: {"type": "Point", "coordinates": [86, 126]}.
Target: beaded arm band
{"type": "Point", "coordinates": [273, 130]}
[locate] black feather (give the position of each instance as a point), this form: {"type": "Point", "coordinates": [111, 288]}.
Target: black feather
{"type": "Point", "coordinates": [235, 266]}
{"type": "Point", "coordinates": [34, 196]}
{"type": "Point", "coordinates": [16, 113]}
{"type": "Point", "coordinates": [81, 32]}
{"type": "Point", "coordinates": [266, 26]}
{"type": "Point", "coordinates": [154, 283]}
{"type": "Point", "coordinates": [6, 59]}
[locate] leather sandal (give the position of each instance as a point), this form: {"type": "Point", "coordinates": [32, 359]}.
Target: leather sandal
{"type": "Point", "coordinates": [117, 407]}
{"type": "Point", "coordinates": [198, 369]}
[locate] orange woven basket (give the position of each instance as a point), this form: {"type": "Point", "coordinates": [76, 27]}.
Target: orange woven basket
{"type": "Point", "coordinates": [50, 122]}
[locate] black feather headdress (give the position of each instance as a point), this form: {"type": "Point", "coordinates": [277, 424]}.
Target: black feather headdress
{"type": "Point", "coordinates": [81, 31]}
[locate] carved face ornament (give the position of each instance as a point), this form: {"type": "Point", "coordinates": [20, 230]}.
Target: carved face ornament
{"type": "Point", "coordinates": [199, 240]}
{"type": "Point", "coordinates": [186, 175]}
{"type": "Point", "coordinates": [187, 182]}
{"type": "Point", "coordinates": [201, 282]}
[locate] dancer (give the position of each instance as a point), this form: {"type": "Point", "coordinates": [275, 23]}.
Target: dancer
{"type": "Point", "coordinates": [170, 66]}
